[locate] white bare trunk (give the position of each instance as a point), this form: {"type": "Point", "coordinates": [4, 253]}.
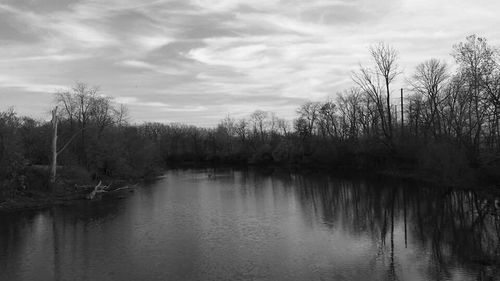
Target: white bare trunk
{"type": "Point", "coordinates": [53, 166]}
{"type": "Point", "coordinates": [99, 188]}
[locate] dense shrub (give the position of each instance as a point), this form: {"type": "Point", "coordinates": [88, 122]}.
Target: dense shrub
{"type": "Point", "coordinates": [444, 162]}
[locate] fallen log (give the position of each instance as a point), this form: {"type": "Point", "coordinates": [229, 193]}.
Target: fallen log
{"type": "Point", "coordinates": [121, 188]}
{"type": "Point", "coordinates": [99, 188]}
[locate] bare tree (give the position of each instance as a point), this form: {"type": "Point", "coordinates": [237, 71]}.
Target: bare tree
{"type": "Point", "coordinates": [328, 118]}
{"type": "Point", "coordinates": [283, 126]}
{"type": "Point", "coordinates": [259, 118]}
{"type": "Point", "coordinates": [370, 85]}
{"type": "Point", "coordinates": [349, 104]}
{"type": "Point", "coordinates": [385, 58]}
{"type": "Point", "coordinates": [227, 130]}
{"type": "Point", "coordinates": [373, 81]}
{"type": "Point", "coordinates": [53, 165]}
{"type": "Point", "coordinates": [89, 111]}
{"type": "Point", "coordinates": [476, 60]}
{"type": "Point", "coordinates": [79, 104]}
{"type": "Point", "coordinates": [493, 96]}
{"type": "Point", "coordinates": [121, 115]}
{"type": "Point", "coordinates": [241, 129]}
{"type": "Point", "coordinates": [429, 80]}
{"type": "Point", "coordinates": [309, 112]}
{"type": "Point", "coordinates": [68, 104]}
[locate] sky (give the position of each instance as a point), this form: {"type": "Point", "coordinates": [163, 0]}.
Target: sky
{"type": "Point", "coordinates": [197, 61]}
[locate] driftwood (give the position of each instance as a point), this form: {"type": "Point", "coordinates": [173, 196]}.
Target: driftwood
{"type": "Point", "coordinates": [100, 188]}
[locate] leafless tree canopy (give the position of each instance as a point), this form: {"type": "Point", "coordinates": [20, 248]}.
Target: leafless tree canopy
{"type": "Point", "coordinates": [373, 82]}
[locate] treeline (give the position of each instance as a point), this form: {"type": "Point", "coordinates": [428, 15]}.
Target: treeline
{"type": "Point", "coordinates": [444, 125]}
{"type": "Point", "coordinates": [94, 142]}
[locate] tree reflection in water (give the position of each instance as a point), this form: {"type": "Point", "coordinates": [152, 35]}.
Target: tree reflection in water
{"type": "Point", "coordinates": [456, 228]}
{"type": "Point", "coordinates": [281, 223]}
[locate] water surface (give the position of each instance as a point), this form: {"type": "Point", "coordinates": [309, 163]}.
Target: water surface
{"type": "Point", "coordinates": [251, 225]}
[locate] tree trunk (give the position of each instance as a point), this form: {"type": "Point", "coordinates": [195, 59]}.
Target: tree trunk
{"type": "Point", "coordinates": [53, 166]}
{"type": "Point", "coordinates": [389, 115]}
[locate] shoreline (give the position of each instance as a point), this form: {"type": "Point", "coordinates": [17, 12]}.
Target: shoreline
{"type": "Point", "coordinates": [43, 200]}
{"type": "Point", "coordinates": [30, 204]}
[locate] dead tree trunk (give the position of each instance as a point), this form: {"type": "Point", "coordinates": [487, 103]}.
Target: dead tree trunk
{"type": "Point", "coordinates": [55, 152]}
{"type": "Point", "coordinates": [53, 166]}
{"type": "Point", "coordinates": [99, 188]}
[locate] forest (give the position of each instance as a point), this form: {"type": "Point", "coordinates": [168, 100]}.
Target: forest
{"type": "Point", "coordinates": [443, 126]}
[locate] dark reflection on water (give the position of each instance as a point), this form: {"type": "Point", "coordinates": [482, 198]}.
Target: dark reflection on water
{"type": "Point", "coordinates": [248, 225]}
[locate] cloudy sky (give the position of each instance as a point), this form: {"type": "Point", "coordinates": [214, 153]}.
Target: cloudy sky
{"type": "Point", "coordinates": [195, 61]}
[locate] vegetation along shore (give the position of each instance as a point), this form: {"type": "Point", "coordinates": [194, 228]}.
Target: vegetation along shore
{"type": "Point", "coordinates": [444, 127]}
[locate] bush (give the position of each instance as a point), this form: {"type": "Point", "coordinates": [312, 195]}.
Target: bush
{"type": "Point", "coordinates": [74, 174]}
{"type": "Point", "coordinates": [444, 162]}
{"type": "Point", "coordinates": [36, 178]}
{"type": "Point", "coordinates": [262, 156]}
{"type": "Point", "coordinates": [282, 153]}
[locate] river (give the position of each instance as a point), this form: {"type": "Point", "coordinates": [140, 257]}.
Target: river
{"type": "Point", "coordinates": [258, 225]}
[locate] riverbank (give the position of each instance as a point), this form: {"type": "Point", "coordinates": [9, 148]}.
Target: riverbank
{"type": "Point", "coordinates": [40, 201]}
{"type": "Point", "coordinates": [466, 179]}
{"type": "Point", "coordinates": [70, 192]}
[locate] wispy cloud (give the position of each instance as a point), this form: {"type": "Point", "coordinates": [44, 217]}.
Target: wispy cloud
{"type": "Point", "coordinates": [8, 81]}
{"type": "Point", "coordinates": [195, 61]}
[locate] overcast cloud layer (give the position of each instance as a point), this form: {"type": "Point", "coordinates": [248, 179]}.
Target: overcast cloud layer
{"type": "Point", "coordinates": [195, 61]}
